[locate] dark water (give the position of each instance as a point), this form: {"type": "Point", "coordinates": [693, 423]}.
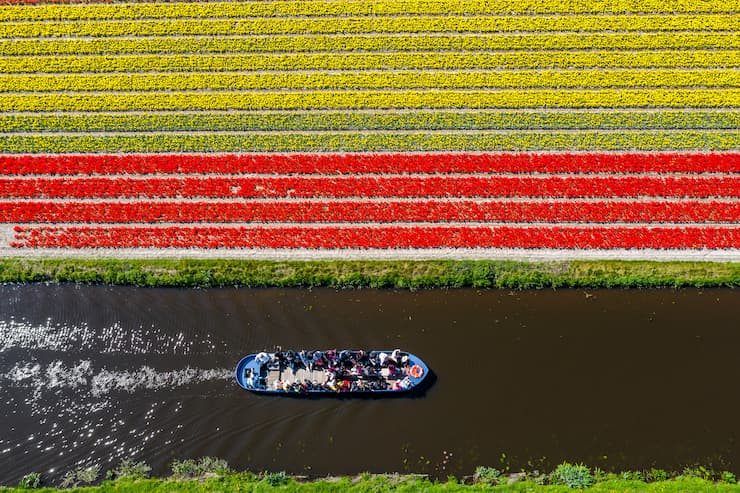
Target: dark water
{"type": "Point", "coordinates": [616, 379]}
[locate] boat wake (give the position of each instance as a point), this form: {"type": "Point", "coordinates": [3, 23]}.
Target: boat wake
{"type": "Point", "coordinates": [82, 375]}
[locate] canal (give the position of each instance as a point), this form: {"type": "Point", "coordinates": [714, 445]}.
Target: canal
{"type": "Point", "coordinates": [619, 379]}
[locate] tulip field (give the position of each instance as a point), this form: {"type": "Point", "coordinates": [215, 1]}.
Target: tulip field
{"type": "Point", "coordinates": [370, 129]}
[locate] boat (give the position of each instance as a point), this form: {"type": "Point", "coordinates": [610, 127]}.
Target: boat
{"type": "Point", "coordinates": [331, 372]}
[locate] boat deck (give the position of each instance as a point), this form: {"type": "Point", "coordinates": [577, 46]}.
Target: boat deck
{"type": "Point", "coordinates": [274, 375]}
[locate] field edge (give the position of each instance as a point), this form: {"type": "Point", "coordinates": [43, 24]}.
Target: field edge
{"type": "Point", "coordinates": [399, 274]}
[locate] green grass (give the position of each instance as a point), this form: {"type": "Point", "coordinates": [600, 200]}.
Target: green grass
{"type": "Point", "coordinates": [373, 274]}
{"type": "Point", "coordinates": [246, 482]}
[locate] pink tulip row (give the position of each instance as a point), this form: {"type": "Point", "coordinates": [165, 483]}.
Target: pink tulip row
{"type": "Point", "coordinates": [374, 186]}
{"type": "Point", "coordinates": [689, 211]}
{"type": "Point", "coordinates": [665, 162]}
{"type": "Point", "coordinates": [383, 237]}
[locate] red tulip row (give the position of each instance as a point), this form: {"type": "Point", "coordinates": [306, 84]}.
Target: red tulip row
{"type": "Point", "coordinates": [375, 186]}
{"type": "Point", "coordinates": [386, 237]}
{"type": "Point", "coordinates": [370, 211]}
{"type": "Point", "coordinates": [722, 162]}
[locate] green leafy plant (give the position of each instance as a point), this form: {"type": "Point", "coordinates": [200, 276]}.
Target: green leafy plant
{"type": "Point", "coordinates": [487, 475]}
{"type": "Point", "coordinates": [128, 469]}
{"type": "Point", "coordinates": [728, 477]}
{"type": "Point", "coordinates": [633, 476]}
{"type": "Point", "coordinates": [698, 472]}
{"type": "Point", "coordinates": [572, 475]}
{"type": "Point", "coordinates": [276, 478]}
{"type": "Point", "coordinates": [191, 468]}
{"type": "Point", "coordinates": [31, 480]}
{"type": "Point", "coordinates": [657, 475]}
{"type": "Point", "coordinates": [81, 475]}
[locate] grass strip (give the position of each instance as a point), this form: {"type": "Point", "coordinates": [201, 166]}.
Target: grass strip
{"type": "Point", "coordinates": [368, 24]}
{"type": "Point", "coordinates": [374, 274]}
{"type": "Point", "coordinates": [412, 120]}
{"type": "Point", "coordinates": [322, 42]}
{"type": "Point", "coordinates": [373, 99]}
{"type": "Point", "coordinates": [345, 8]}
{"type": "Point", "coordinates": [524, 79]}
{"type": "Point", "coordinates": [371, 61]}
{"type": "Point", "coordinates": [373, 142]}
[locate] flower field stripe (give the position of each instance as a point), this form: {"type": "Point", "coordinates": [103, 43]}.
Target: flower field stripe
{"type": "Point", "coordinates": [372, 42]}
{"type": "Point", "coordinates": [372, 61]}
{"type": "Point", "coordinates": [370, 211]}
{"type": "Point", "coordinates": [373, 99]}
{"type": "Point", "coordinates": [420, 141]}
{"type": "Point", "coordinates": [374, 24]}
{"type": "Point", "coordinates": [383, 237]}
{"type": "Point", "coordinates": [381, 126]}
{"type": "Point", "coordinates": [414, 163]}
{"type": "Point", "coordinates": [370, 120]}
{"type": "Point", "coordinates": [375, 7]}
{"type": "Point", "coordinates": [372, 186]}
{"type": "Point", "coordinates": [602, 78]}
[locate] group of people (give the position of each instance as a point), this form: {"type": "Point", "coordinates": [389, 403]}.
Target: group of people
{"type": "Point", "coordinates": [345, 370]}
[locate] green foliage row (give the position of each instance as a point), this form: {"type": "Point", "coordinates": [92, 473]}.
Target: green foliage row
{"type": "Point", "coordinates": [209, 474]}
{"type": "Point", "coordinates": [524, 140]}
{"type": "Point", "coordinates": [372, 274]}
{"type": "Point", "coordinates": [412, 120]}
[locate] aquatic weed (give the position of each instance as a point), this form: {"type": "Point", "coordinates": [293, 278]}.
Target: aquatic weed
{"type": "Point", "coordinates": [276, 478]}
{"type": "Point", "coordinates": [487, 475]}
{"type": "Point", "coordinates": [657, 475]}
{"type": "Point", "coordinates": [75, 477]}
{"type": "Point", "coordinates": [728, 477]}
{"type": "Point", "coordinates": [572, 475]}
{"type": "Point", "coordinates": [30, 481]}
{"type": "Point", "coordinates": [128, 469]}
{"type": "Point", "coordinates": [190, 468]}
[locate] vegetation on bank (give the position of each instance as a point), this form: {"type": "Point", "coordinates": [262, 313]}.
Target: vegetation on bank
{"type": "Point", "coordinates": [376, 274]}
{"type": "Point", "coordinates": [214, 475]}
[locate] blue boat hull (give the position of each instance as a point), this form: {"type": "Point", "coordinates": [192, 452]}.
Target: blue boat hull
{"type": "Point", "coordinates": [249, 366]}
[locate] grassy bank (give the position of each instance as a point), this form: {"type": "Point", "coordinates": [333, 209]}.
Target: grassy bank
{"type": "Point", "coordinates": [377, 274]}
{"type": "Point", "coordinates": [248, 482]}
{"type": "Point", "coordinates": [209, 474]}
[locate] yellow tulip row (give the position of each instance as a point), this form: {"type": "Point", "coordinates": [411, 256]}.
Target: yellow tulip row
{"type": "Point", "coordinates": [372, 80]}
{"type": "Point", "coordinates": [408, 42]}
{"type": "Point", "coordinates": [380, 141]}
{"type": "Point", "coordinates": [227, 100]}
{"type": "Point", "coordinates": [370, 61]}
{"type": "Point", "coordinates": [341, 8]}
{"type": "Point", "coordinates": [411, 24]}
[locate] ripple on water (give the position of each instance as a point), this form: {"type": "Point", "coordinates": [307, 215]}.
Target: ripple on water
{"type": "Point", "coordinates": [55, 336]}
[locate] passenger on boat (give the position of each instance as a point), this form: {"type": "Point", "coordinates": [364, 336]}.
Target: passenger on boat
{"type": "Point", "coordinates": [262, 358]}
{"type": "Point", "coordinates": [318, 359]}
{"type": "Point", "coordinates": [396, 356]}
{"type": "Point", "coordinates": [254, 380]}
{"type": "Point", "coordinates": [331, 357]}
{"type": "Point", "coordinates": [361, 358]}
{"type": "Point", "coordinates": [290, 357]}
{"type": "Point", "coordinates": [401, 384]}
{"type": "Point", "coordinates": [305, 359]}
{"type": "Point", "coordinates": [343, 385]}
{"type": "Point", "coordinates": [383, 358]}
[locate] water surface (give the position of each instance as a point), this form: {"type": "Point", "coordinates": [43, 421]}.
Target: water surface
{"type": "Point", "coordinates": [617, 379]}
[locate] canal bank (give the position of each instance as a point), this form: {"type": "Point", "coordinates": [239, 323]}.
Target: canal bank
{"type": "Point", "coordinates": [414, 274]}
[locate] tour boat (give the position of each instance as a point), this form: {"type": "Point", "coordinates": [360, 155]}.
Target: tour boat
{"type": "Point", "coordinates": [331, 372]}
